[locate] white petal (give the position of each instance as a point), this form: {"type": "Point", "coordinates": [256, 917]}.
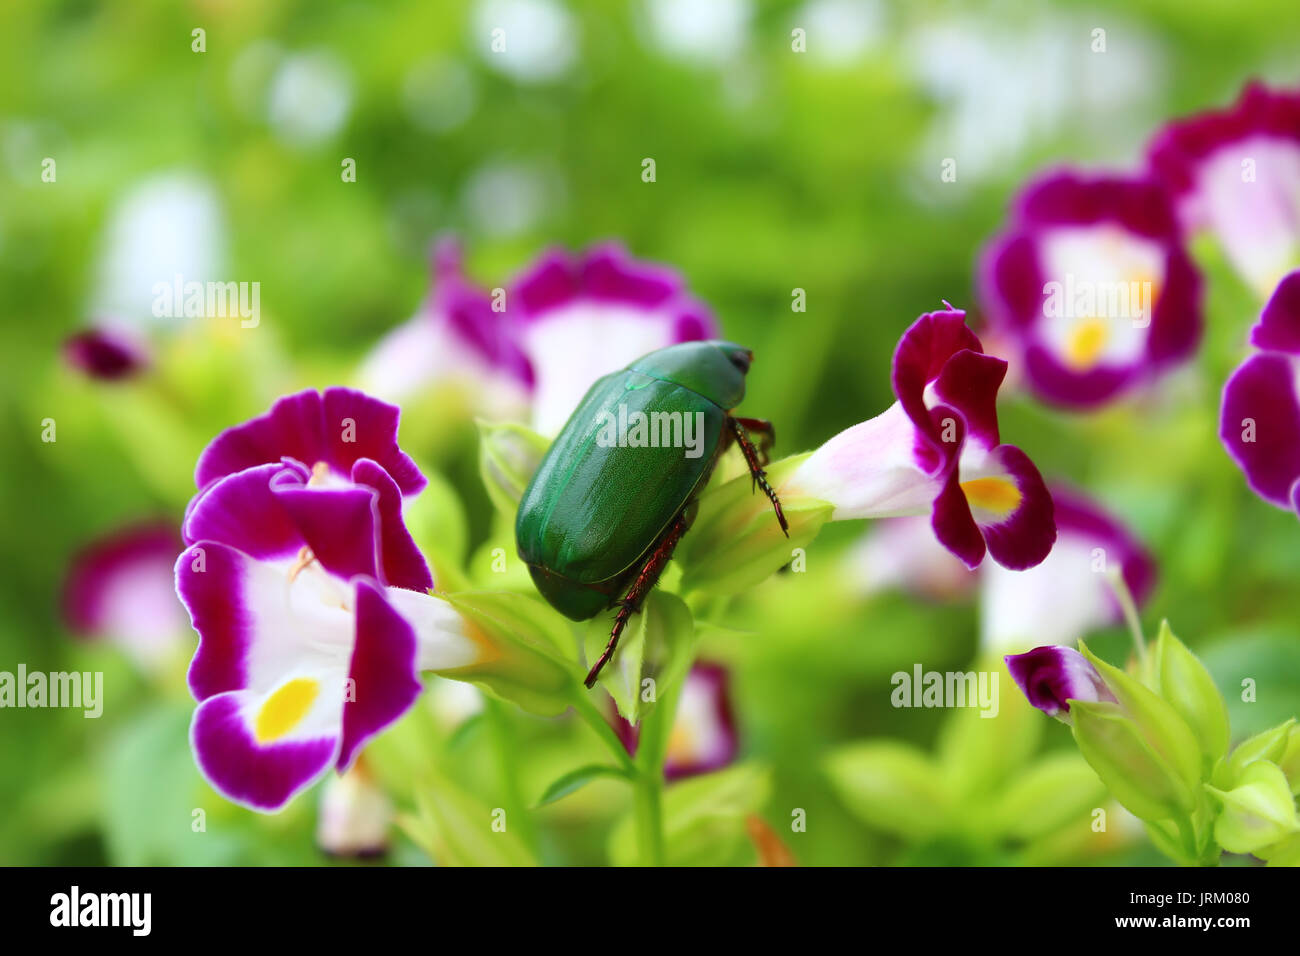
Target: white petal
{"type": "Point", "coordinates": [869, 471]}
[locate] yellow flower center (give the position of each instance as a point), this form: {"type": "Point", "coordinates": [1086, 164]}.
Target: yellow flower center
{"type": "Point", "coordinates": [283, 710]}
{"type": "Point", "coordinates": [996, 495]}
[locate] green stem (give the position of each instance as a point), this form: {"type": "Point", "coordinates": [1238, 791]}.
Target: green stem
{"type": "Point", "coordinates": [503, 743]}
{"type": "Point", "coordinates": [648, 806]}
{"type": "Point", "coordinates": [593, 718]}
{"type": "Point", "coordinates": [1129, 607]}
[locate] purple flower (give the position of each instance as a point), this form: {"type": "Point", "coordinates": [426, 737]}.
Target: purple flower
{"type": "Point", "coordinates": [1090, 287]}
{"type": "Point", "coordinates": [106, 354]}
{"type": "Point", "coordinates": [1068, 595]}
{"type": "Point", "coordinates": [119, 588]}
{"type": "Point", "coordinates": [1259, 422]}
{"type": "Point", "coordinates": [457, 339]}
{"type": "Point", "coordinates": [581, 317]}
{"type": "Point", "coordinates": [1236, 173]}
{"type": "Point", "coordinates": [308, 595]}
{"type": "Point", "coordinates": [936, 451]}
{"type": "Point", "coordinates": [703, 737]}
{"type": "Point", "coordinates": [1052, 676]}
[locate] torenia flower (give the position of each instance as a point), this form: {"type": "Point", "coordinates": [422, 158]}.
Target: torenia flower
{"type": "Point", "coordinates": [354, 817]}
{"type": "Point", "coordinates": [1050, 677]}
{"type": "Point", "coordinates": [581, 317]}
{"type": "Point", "coordinates": [1236, 173]}
{"type": "Point", "coordinates": [106, 353]}
{"type": "Point", "coordinates": [460, 337]}
{"type": "Point", "coordinates": [308, 595]}
{"type": "Point", "coordinates": [703, 737]}
{"type": "Point", "coordinates": [904, 553]}
{"type": "Point", "coordinates": [1259, 422]}
{"type": "Point", "coordinates": [1068, 595]}
{"type": "Point", "coordinates": [1090, 288]}
{"type": "Point", "coordinates": [937, 451]}
{"type": "Point", "coordinates": [119, 588]}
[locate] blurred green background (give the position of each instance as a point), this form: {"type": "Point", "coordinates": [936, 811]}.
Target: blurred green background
{"type": "Point", "coordinates": [775, 171]}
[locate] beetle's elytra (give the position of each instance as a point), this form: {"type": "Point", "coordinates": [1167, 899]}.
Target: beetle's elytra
{"type": "Point", "coordinates": [600, 518]}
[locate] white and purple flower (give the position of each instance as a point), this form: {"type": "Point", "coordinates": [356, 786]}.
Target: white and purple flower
{"type": "Point", "coordinates": [1259, 421]}
{"type": "Point", "coordinates": [1052, 676]}
{"type": "Point", "coordinates": [936, 451]}
{"type": "Point", "coordinates": [703, 737]}
{"type": "Point", "coordinates": [308, 594]}
{"type": "Point", "coordinates": [1091, 289]}
{"type": "Point", "coordinates": [1069, 594]}
{"type": "Point", "coordinates": [1236, 173]}
{"type": "Point", "coordinates": [119, 589]}
{"type": "Point", "coordinates": [457, 338]}
{"type": "Point", "coordinates": [581, 317]}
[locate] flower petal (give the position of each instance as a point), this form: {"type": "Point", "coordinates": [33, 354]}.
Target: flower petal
{"type": "Point", "coordinates": [1012, 507]}
{"type": "Point", "coordinates": [581, 318]}
{"type": "Point", "coordinates": [875, 469]}
{"type": "Point", "coordinates": [703, 737]}
{"type": "Point", "coordinates": [1278, 329]}
{"type": "Point", "coordinates": [257, 774]}
{"type": "Point", "coordinates": [337, 428]}
{"type": "Point", "coordinates": [382, 671]}
{"type": "Point", "coordinates": [242, 511]}
{"type": "Point", "coordinates": [120, 587]}
{"type": "Point", "coordinates": [1052, 676]}
{"type": "Point", "coordinates": [106, 354]}
{"type": "Point", "coordinates": [1259, 424]}
{"type": "Point", "coordinates": [400, 561]}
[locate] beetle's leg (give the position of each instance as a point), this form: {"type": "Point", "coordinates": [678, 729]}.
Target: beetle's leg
{"type": "Point", "coordinates": [645, 580]}
{"type": "Point", "coordinates": [756, 471]}
{"type": "Point", "coordinates": [766, 433]}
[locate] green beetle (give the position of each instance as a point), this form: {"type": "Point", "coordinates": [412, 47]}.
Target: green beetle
{"type": "Point", "coordinates": [607, 505]}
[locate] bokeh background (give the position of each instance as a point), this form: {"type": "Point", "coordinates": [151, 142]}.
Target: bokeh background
{"type": "Point", "coordinates": [775, 170]}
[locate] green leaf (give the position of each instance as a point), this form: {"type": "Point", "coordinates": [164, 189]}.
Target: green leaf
{"type": "Point", "coordinates": [1160, 725]}
{"type": "Point", "coordinates": [1257, 812]}
{"type": "Point", "coordinates": [735, 541]}
{"type": "Point", "coordinates": [981, 752]}
{"type": "Point", "coordinates": [704, 818]}
{"type": "Point", "coordinates": [1271, 744]}
{"type": "Point", "coordinates": [457, 829]}
{"type": "Point", "coordinates": [526, 662]}
{"type": "Point", "coordinates": [1182, 680]}
{"type": "Point", "coordinates": [892, 786]}
{"type": "Point", "coordinates": [654, 654]}
{"type": "Point", "coordinates": [1056, 791]}
{"type": "Point", "coordinates": [1138, 777]}
{"type": "Point", "coordinates": [575, 780]}
{"type": "Point", "coordinates": [508, 456]}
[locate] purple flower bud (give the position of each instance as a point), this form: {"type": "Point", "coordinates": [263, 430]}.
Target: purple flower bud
{"type": "Point", "coordinates": [1052, 676]}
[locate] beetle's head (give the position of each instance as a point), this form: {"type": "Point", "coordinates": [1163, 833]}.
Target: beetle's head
{"type": "Point", "coordinates": [737, 355]}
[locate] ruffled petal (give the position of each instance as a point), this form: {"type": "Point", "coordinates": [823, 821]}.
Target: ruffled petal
{"type": "Point", "coordinates": [1278, 329]}
{"type": "Point", "coordinates": [1259, 424]}
{"type": "Point", "coordinates": [242, 511]}
{"type": "Point", "coordinates": [1011, 505]}
{"type": "Point", "coordinates": [922, 354]}
{"type": "Point", "coordinates": [584, 317]}
{"type": "Point", "coordinates": [251, 770]}
{"type": "Point", "coordinates": [400, 561]}
{"type": "Point", "coordinates": [337, 429]}
{"type": "Point", "coordinates": [382, 672]}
